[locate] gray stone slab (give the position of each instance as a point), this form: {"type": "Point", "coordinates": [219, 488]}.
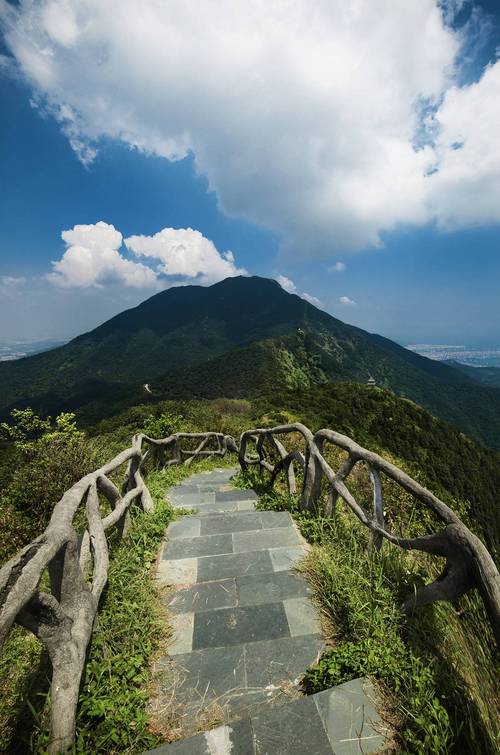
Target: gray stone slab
{"type": "Point", "coordinates": [190, 500]}
{"type": "Point", "coordinates": [272, 519]}
{"type": "Point", "coordinates": [179, 572]}
{"type": "Point", "coordinates": [221, 508]}
{"type": "Point", "coordinates": [209, 673]}
{"type": "Point", "coordinates": [263, 539]}
{"type": "Point", "coordinates": [271, 588]}
{"type": "Point", "coordinates": [219, 476]}
{"type": "Point", "coordinates": [206, 596]}
{"type": "Point", "coordinates": [272, 662]}
{"type": "Point", "coordinates": [192, 746]}
{"type": "Point", "coordinates": [294, 729]}
{"type": "Point", "coordinates": [184, 489]}
{"type": "Point", "coordinates": [348, 716]}
{"type": "Point", "coordinates": [232, 522]}
{"type": "Point", "coordinates": [213, 487]}
{"type": "Point", "coordinates": [284, 559]}
{"type": "Point", "coordinates": [233, 626]}
{"type": "Point", "coordinates": [246, 506]}
{"type": "Point", "coordinates": [210, 545]}
{"type": "Point", "coordinates": [233, 565]}
{"type": "Point", "coordinates": [302, 616]}
{"type": "Point", "coordinates": [188, 526]}
{"type": "Point", "coordinates": [236, 495]}
{"type": "Point", "coordinates": [182, 633]}
{"type": "Point", "coordinates": [236, 739]}
{"type": "Point", "coordinates": [249, 702]}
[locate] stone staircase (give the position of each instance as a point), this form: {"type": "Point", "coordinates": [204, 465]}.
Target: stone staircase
{"type": "Point", "coordinates": [244, 633]}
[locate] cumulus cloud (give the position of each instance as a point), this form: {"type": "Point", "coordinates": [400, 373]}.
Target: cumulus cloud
{"type": "Point", "coordinates": [349, 131]}
{"type": "Point", "coordinates": [176, 255]}
{"type": "Point", "coordinates": [311, 299]}
{"type": "Point", "coordinates": [287, 284]}
{"type": "Point", "coordinates": [92, 259]}
{"type": "Point", "coordinates": [186, 253]}
{"type": "Point", "coordinates": [347, 301]}
{"type": "Point", "coordinates": [338, 267]}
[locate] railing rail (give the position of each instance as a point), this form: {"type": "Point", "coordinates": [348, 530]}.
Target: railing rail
{"type": "Point", "coordinates": [468, 562]}
{"type": "Point", "coordinates": [63, 618]}
{"type": "Point", "coordinates": [77, 565]}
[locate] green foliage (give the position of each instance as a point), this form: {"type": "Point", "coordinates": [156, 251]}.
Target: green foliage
{"type": "Point", "coordinates": [163, 425]}
{"type": "Point", "coordinates": [112, 716]}
{"type": "Point", "coordinates": [241, 338]}
{"type": "Point", "coordinates": [436, 671]}
{"type": "Point", "coordinates": [27, 426]}
{"type": "Point", "coordinates": [20, 657]}
{"type": "Point", "coordinates": [463, 473]}
{"type": "Point", "coordinates": [46, 457]}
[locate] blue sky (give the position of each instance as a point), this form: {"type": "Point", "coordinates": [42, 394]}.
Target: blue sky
{"type": "Point", "coordinates": [291, 167]}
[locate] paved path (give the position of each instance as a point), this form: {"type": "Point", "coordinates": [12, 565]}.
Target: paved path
{"type": "Point", "coordinates": [245, 630]}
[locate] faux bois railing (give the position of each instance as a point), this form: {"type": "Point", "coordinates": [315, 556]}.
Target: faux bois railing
{"type": "Point", "coordinates": [77, 565]}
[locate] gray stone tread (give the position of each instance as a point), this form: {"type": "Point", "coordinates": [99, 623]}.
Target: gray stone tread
{"type": "Point", "coordinates": [209, 545]}
{"type": "Point", "coordinates": [234, 626]}
{"type": "Point", "coordinates": [245, 631]}
{"type": "Point", "coordinates": [338, 721]}
{"type": "Point", "coordinates": [205, 596]}
{"type": "Point", "coordinates": [269, 588]}
{"type": "Point", "coordinates": [280, 537]}
{"type": "Point", "coordinates": [235, 495]}
{"type": "Point", "coordinates": [234, 565]}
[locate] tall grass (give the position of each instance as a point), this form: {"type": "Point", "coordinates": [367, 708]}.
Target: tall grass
{"type": "Point", "coordinates": [130, 626]}
{"type": "Point", "coordinates": [437, 672]}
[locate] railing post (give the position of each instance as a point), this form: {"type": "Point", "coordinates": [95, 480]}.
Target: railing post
{"type": "Point", "coordinates": [313, 473]}
{"type": "Point", "coordinates": [378, 506]}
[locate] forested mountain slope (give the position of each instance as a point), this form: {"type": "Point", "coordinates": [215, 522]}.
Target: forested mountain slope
{"type": "Point", "coordinates": [238, 337]}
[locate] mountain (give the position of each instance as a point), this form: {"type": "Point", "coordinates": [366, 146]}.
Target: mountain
{"type": "Point", "coordinates": [238, 337]}
{"type": "Point", "coordinates": [485, 375]}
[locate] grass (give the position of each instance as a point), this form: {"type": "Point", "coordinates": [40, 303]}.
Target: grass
{"type": "Point", "coordinates": [130, 627]}
{"type": "Point", "coordinates": [436, 672]}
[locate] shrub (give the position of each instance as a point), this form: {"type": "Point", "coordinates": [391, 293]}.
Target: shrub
{"type": "Point", "coordinates": [47, 458]}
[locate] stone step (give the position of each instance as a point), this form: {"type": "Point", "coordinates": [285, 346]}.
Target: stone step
{"type": "Point", "coordinates": [236, 680]}
{"type": "Point", "coordinates": [188, 495]}
{"type": "Point", "coordinates": [244, 631]}
{"type": "Point", "coordinates": [341, 720]}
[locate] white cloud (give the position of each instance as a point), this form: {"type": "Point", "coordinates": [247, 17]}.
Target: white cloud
{"type": "Point", "coordinates": [338, 267]}
{"type": "Point", "coordinates": [12, 280]}
{"type": "Point", "coordinates": [186, 253]}
{"type": "Point", "coordinates": [465, 191]}
{"type": "Point", "coordinates": [311, 299]}
{"type": "Point", "coordinates": [346, 301]}
{"type": "Point", "coordinates": [317, 142]}
{"type": "Point", "coordinates": [92, 259]}
{"type": "Point", "coordinates": [287, 284]}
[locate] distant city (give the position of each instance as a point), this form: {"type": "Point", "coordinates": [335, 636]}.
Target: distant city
{"type": "Point", "coordinates": [11, 350]}
{"type": "Point", "coordinates": [473, 356]}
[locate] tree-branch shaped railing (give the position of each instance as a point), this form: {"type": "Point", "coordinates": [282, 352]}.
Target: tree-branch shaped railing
{"type": "Point", "coordinates": [77, 565]}
{"type": "Point", "coordinates": [468, 562]}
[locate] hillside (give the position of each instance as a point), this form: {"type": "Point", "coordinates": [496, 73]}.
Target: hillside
{"type": "Point", "coordinates": [238, 337]}
{"type": "Point", "coordinates": [485, 375]}
{"type": "Point", "coordinates": [440, 661]}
